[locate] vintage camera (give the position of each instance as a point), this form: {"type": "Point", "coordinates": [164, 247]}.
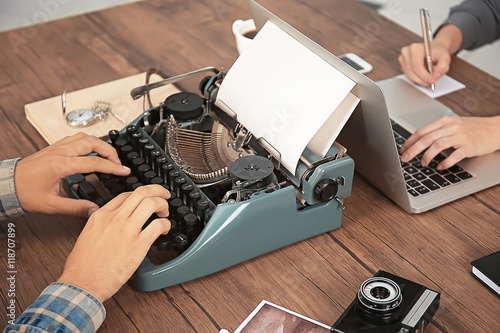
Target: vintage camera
{"type": "Point", "coordinates": [389, 303]}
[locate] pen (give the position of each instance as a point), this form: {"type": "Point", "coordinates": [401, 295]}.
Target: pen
{"type": "Point", "coordinates": [425, 19]}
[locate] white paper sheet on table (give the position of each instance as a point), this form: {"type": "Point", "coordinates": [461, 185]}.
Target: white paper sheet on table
{"type": "Point", "coordinates": [284, 92]}
{"type": "Point", "coordinates": [444, 85]}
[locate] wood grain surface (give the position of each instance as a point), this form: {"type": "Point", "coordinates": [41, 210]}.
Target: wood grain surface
{"type": "Point", "coordinates": [317, 277]}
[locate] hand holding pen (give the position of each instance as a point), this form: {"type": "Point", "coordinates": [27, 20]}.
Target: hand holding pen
{"type": "Point", "coordinates": [417, 61]}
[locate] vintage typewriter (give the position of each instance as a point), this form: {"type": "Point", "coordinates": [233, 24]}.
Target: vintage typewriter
{"type": "Point", "coordinates": [232, 199]}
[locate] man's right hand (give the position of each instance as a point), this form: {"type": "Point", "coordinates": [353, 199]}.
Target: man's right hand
{"type": "Point", "coordinates": [448, 41]}
{"type": "Point", "coordinates": [113, 244]}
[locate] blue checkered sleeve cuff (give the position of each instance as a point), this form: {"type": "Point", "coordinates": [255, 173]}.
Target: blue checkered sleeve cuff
{"type": "Point", "coordinates": [9, 205]}
{"type": "Point", "coordinates": [63, 308]}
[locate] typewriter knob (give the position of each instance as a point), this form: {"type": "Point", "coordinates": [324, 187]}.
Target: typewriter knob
{"type": "Point", "coordinates": [326, 190]}
{"type": "Point", "coordinates": [184, 106]}
{"type": "Point", "coordinates": [203, 84]}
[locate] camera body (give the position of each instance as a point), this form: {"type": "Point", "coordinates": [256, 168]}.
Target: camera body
{"type": "Point", "coordinates": [389, 303]}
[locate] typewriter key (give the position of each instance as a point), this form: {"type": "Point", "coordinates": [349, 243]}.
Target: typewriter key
{"type": "Point", "coordinates": [142, 142]}
{"type": "Point", "coordinates": [159, 162]}
{"type": "Point", "coordinates": [113, 136]}
{"type": "Point", "coordinates": [173, 205]}
{"type": "Point", "coordinates": [147, 153]}
{"type": "Point", "coordinates": [200, 207]}
{"type": "Point", "coordinates": [129, 182]}
{"type": "Point", "coordinates": [172, 194]}
{"type": "Point", "coordinates": [180, 212]}
{"type": "Point", "coordinates": [136, 185]}
{"type": "Point", "coordinates": [162, 243]}
{"type": "Point", "coordinates": [105, 176]}
{"type": "Point", "coordinates": [156, 181]}
{"type": "Point", "coordinates": [164, 171]}
{"type": "Point", "coordinates": [190, 222]}
{"type": "Point", "coordinates": [171, 177]}
{"type": "Point", "coordinates": [148, 176]}
{"type": "Point", "coordinates": [185, 189]}
{"type": "Point", "coordinates": [178, 182]}
{"type": "Point", "coordinates": [134, 139]}
{"type": "Point", "coordinates": [141, 170]}
{"type": "Point", "coordinates": [131, 129]}
{"type": "Point", "coordinates": [181, 242]}
{"type": "Point", "coordinates": [154, 155]}
{"type": "Point", "coordinates": [110, 182]}
{"type": "Point", "coordinates": [194, 196]}
{"type": "Point", "coordinates": [124, 150]}
{"type": "Point", "coordinates": [119, 144]}
{"type": "Point", "coordinates": [136, 162]}
{"type": "Point", "coordinates": [115, 190]}
{"type": "Point", "coordinates": [130, 157]}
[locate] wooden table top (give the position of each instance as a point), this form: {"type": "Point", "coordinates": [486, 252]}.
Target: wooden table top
{"type": "Point", "coordinates": [317, 277]}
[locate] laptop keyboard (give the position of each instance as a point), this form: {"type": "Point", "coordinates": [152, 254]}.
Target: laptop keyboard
{"type": "Point", "coordinates": [423, 180]}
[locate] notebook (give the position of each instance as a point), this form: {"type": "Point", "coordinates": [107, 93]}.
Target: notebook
{"type": "Point", "coordinates": [487, 270]}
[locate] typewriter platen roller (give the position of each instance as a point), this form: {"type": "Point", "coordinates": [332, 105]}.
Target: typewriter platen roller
{"type": "Point", "coordinates": [232, 200]}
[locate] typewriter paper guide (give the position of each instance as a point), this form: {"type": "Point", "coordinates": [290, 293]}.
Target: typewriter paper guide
{"type": "Point", "coordinates": [284, 92]}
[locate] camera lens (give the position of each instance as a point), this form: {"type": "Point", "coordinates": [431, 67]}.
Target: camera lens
{"type": "Point", "coordinates": [379, 301]}
{"type": "Point", "coordinates": [380, 292]}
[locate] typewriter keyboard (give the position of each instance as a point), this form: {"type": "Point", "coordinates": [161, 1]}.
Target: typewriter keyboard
{"type": "Point", "coordinates": [189, 207]}
{"type": "Point", "coordinates": [422, 180]}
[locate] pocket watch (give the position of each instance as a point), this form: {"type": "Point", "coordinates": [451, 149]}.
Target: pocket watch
{"type": "Point", "coordinates": [80, 117]}
{"type": "Point", "coordinates": [85, 117]}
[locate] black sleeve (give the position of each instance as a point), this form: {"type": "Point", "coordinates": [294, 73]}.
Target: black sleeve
{"type": "Point", "coordinates": [479, 21]}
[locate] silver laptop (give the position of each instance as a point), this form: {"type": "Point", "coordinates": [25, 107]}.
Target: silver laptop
{"type": "Point", "coordinates": [370, 139]}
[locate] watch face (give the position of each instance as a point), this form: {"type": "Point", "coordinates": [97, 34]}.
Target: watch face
{"type": "Point", "coordinates": [81, 117]}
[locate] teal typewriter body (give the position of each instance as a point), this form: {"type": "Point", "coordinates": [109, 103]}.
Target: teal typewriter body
{"type": "Point", "coordinates": [232, 200]}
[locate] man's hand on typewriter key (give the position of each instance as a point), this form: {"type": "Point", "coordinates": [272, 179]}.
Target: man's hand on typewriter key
{"type": "Point", "coordinates": [113, 244]}
{"type": "Point", "coordinates": [37, 177]}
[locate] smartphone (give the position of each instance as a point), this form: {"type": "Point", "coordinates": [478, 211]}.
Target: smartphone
{"type": "Point", "coordinates": [356, 62]}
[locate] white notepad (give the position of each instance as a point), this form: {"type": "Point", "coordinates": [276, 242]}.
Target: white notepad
{"type": "Point", "coordinates": [285, 93]}
{"type": "Point", "coordinates": [445, 85]}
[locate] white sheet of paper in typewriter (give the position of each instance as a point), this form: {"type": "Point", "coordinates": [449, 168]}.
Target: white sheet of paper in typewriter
{"type": "Point", "coordinates": [284, 92]}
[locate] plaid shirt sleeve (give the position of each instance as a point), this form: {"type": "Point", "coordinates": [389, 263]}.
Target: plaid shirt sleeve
{"type": "Point", "coordinates": [63, 308]}
{"type": "Point", "coordinates": [9, 205]}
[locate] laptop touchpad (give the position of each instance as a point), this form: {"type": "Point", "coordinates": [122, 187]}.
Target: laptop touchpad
{"type": "Point", "coordinates": [415, 119]}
